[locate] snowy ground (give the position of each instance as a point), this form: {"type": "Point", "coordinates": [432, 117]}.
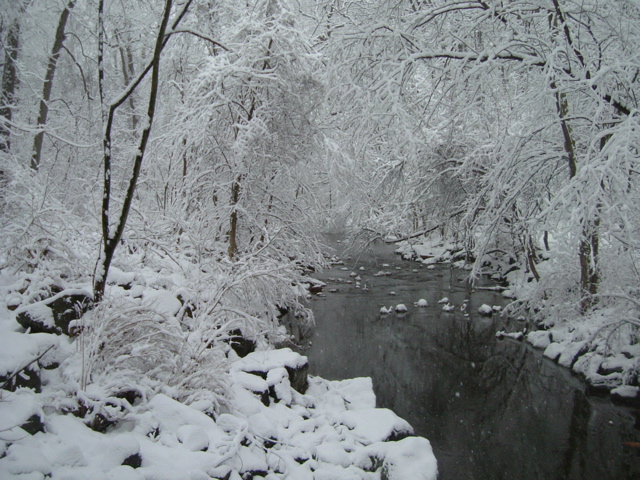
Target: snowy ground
{"type": "Point", "coordinates": [266, 428]}
{"type": "Point", "coordinates": [600, 346]}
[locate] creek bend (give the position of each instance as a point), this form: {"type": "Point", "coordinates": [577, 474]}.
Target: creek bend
{"type": "Point", "coordinates": [491, 408]}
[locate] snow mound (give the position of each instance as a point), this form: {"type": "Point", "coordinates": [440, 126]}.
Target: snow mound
{"type": "Point", "coordinates": [401, 308]}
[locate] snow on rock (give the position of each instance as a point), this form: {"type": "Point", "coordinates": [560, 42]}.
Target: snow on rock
{"type": "Point", "coordinates": [626, 394]}
{"type": "Point", "coordinates": [264, 361]}
{"type": "Point", "coordinates": [119, 277]}
{"type": "Point", "coordinates": [410, 458]}
{"type": "Point", "coordinates": [324, 433]}
{"type": "Point", "coordinates": [615, 364]}
{"type": "Point", "coordinates": [382, 273]}
{"type": "Point", "coordinates": [116, 450]}
{"type": "Point", "coordinates": [602, 362]}
{"type": "Point", "coordinates": [250, 382]}
{"type": "Point", "coordinates": [278, 380]}
{"type": "Point", "coordinates": [631, 351]}
{"type": "Point", "coordinates": [514, 335]}
{"type": "Point", "coordinates": [350, 394]}
{"type": "Point", "coordinates": [375, 424]}
{"type": "Point", "coordinates": [589, 365]}
{"type": "Point", "coordinates": [554, 350]}
{"type": "Point", "coordinates": [54, 314]}
{"type": "Point", "coordinates": [539, 338]}
{"type": "Point", "coordinates": [161, 301]}
{"type": "Point", "coordinates": [485, 310]}
{"type": "Point", "coordinates": [38, 317]}
{"type": "Point", "coordinates": [169, 415]}
{"type": "Point", "coordinates": [193, 437]}
{"type": "Point", "coordinates": [314, 285]}
{"type": "Point", "coordinates": [21, 459]}
{"type": "Point", "coordinates": [268, 429]}
{"type": "Point", "coordinates": [509, 293]}
{"type": "Point", "coordinates": [15, 410]}
{"type": "Point", "coordinates": [19, 349]}
{"type": "Point", "coordinates": [571, 353]}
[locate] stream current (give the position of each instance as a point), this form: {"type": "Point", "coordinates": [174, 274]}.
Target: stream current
{"type": "Point", "coordinates": [491, 408]}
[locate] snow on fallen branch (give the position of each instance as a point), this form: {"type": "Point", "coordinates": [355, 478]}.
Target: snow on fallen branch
{"type": "Point", "coordinates": [14, 374]}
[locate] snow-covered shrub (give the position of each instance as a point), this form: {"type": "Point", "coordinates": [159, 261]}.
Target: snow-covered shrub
{"type": "Point", "coordinates": [128, 346]}
{"type": "Point", "coordinates": [244, 295]}
{"type": "Point", "coordinates": [44, 227]}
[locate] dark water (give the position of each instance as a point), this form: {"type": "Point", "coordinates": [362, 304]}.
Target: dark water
{"type": "Point", "coordinates": [492, 409]}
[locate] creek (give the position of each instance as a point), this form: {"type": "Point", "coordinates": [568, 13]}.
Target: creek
{"type": "Point", "coordinates": [491, 408]}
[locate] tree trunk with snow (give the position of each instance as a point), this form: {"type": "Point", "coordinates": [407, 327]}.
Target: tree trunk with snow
{"type": "Point", "coordinates": [112, 234]}
{"type": "Point", "coordinates": [47, 86]}
{"type": "Point", "coordinates": [9, 81]}
{"type": "Point", "coordinates": [233, 220]}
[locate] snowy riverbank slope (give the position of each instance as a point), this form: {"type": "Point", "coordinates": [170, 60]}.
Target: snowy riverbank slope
{"type": "Point", "coordinates": [263, 417]}
{"type": "Point", "coordinates": [602, 346]}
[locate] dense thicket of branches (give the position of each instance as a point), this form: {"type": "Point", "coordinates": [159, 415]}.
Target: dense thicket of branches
{"type": "Point", "coordinates": [515, 124]}
{"type": "Point", "coordinates": [232, 133]}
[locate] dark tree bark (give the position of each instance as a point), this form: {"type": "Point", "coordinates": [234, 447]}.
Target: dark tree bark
{"type": "Point", "coordinates": [233, 220]}
{"type": "Point", "coordinates": [47, 87]}
{"type": "Point", "coordinates": [589, 241]}
{"type": "Point", "coordinates": [9, 80]}
{"type": "Point", "coordinates": [111, 235]}
{"type": "Point", "coordinates": [128, 72]}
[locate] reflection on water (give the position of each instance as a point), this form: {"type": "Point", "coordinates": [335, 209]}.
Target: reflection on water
{"type": "Point", "coordinates": [492, 409]}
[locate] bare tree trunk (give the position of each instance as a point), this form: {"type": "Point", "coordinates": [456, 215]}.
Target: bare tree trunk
{"type": "Point", "coordinates": [9, 81]}
{"type": "Point", "coordinates": [111, 236]}
{"type": "Point", "coordinates": [531, 257]}
{"type": "Point", "coordinates": [589, 249]}
{"type": "Point", "coordinates": [48, 85]}
{"type": "Point", "coordinates": [589, 241]}
{"type": "Point", "coordinates": [233, 221]}
{"type": "Point", "coordinates": [128, 72]}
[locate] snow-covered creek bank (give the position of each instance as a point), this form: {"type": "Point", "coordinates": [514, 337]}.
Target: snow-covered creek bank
{"type": "Point", "coordinates": [273, 422]}
{"type": "Point", "coordinates": [491, 408]}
